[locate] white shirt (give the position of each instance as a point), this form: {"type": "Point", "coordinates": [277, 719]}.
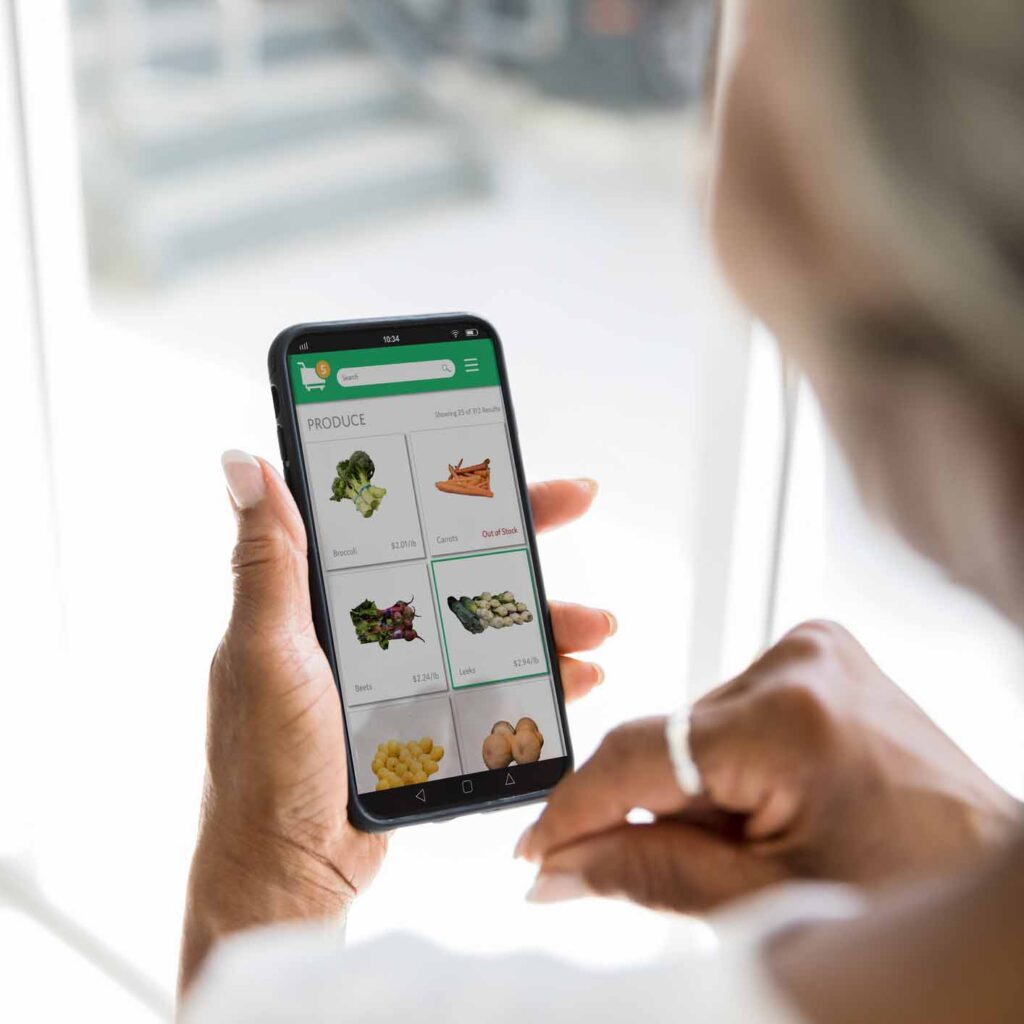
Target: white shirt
{"type": "Point", "coordinates": [303, 973]}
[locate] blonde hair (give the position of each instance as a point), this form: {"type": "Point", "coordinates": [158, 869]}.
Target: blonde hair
{"type": "Point", "coordinates": [937, 90]}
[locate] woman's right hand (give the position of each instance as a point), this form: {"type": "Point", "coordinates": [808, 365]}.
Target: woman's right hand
{"type": "Point", "coordinates": [813, 765]}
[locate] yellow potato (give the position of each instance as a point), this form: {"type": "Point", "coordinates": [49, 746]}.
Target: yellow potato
{"type": "Point", "coordinates": [401, 764]}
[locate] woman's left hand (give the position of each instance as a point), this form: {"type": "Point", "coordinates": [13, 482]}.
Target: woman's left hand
{"type": "Point", "coordinates": [274, 840]}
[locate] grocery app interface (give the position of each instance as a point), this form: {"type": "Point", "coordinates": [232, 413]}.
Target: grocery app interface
{"type": "Point", "coordinates": [444, 666]}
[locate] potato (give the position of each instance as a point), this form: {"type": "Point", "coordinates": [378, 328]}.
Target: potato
{"type": "Point", "coordinates": [497, 750]}
{"type": "Point", "coordinates": [401, 764]}
{"type": "Point", "coordinates": [502, 727]}
{"type": "Point", "coordinates": [527, 723]}
{"type": "Point", "coordinates": [526, 747]}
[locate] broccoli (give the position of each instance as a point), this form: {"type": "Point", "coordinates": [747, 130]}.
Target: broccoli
{"type": "Point", "coordinates": [353, 482]}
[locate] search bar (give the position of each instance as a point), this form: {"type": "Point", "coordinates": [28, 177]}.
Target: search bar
{"type": "Point", "coordinates": [396, 373]}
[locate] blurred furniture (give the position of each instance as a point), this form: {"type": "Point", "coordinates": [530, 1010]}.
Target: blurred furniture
{"type": "Point", "coordinates": [209, 126]}
{"type": "Point", "coordinates": [620, 53]}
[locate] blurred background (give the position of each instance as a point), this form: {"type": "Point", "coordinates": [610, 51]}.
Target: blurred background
{"type": "Point", "coordinates": [179, 180]}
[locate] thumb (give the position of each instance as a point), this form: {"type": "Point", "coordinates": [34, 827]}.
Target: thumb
{"type": "Point", "coordinates": [667, 865]}
{"type": "Point", "coordinates": [269, 560]}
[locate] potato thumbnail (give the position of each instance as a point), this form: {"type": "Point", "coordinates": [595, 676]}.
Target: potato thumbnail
{"type": "Point", "coordinates": [504, 745]}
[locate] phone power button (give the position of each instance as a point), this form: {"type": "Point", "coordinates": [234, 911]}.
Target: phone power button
{"type": "Point", "coordinates": [282, 449]}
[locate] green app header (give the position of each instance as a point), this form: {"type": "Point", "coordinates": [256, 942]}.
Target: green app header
{"type": "Point", "coordinates": [379, 372]}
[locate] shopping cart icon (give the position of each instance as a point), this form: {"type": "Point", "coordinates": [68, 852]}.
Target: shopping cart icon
{"type": "Point", "coordinates": [311, 381]}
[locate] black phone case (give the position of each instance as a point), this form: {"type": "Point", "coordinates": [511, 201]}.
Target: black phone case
{"type": "Point", "coordinates": [295, 476]}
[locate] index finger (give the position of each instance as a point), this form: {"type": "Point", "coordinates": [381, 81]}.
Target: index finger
{"type": "Point", "coordinates": [631, 768]}
{"type": "Point", "coordinates": [557, 502]}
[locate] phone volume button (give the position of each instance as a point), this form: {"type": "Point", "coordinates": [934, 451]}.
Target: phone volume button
{"type": "Point", "coordinates": [275, 395]}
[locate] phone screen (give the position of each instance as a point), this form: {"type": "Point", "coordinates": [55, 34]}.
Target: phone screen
{"type": "Point", "coordinates": [441, 640]}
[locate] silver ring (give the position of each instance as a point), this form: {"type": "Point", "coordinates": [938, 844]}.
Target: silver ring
{"type": "Point", "coordinates": [677, 735]}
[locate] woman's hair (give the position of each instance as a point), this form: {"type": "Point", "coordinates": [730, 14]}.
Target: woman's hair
{"type": "Point", "coordinates": [937, 92]}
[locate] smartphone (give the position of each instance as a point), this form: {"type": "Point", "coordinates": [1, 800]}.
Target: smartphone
{"type": "Point", "coordinates": [399, 444]}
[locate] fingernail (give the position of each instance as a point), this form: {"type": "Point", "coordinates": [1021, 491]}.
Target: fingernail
{"type": "Point", "coordinates": [520, 849]}
{"type": "Point", "coordinates": [589, 483]}
{"type": "Point", "coordinates": [600, 675]}
{"type": "Point", "coordinates": [613, 623]}
{"type": "Point", "coordinates": [244, 477]}
{"type": "Point", "coordinates": [556, 887]}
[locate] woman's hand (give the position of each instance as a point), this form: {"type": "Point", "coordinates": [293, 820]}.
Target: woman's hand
{"type": "Point", "coordinates": [274, 840]}
{"type": "Point", "coordinates": [813, 765]}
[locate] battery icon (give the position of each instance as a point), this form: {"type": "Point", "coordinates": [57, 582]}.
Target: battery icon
{"type": "Point", "coordinates": [472, 332]}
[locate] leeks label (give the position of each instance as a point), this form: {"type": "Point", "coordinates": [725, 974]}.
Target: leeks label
{"type": "Point", "coordinates": [376, 373]}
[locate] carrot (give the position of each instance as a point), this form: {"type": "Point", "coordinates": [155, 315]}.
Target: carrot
{"type": "Point", "coordinates": [454, 487]}
{"type": "Point", "coordinates": [469, 480]}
